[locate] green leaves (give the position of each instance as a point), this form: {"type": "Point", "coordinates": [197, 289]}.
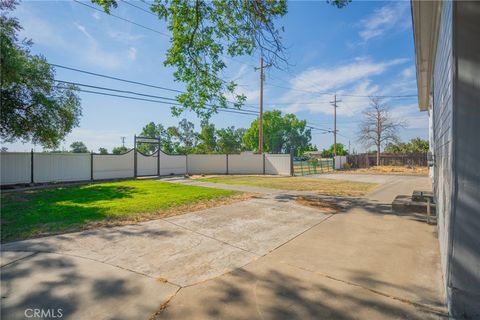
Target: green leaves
{"type": "Point", "coordinates": [281, 133]}
{"type": "Point", "coordinates": [34, 107]}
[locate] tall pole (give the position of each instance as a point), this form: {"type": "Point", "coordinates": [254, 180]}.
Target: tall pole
{"type": "Point", "coordinates": [260, 120]}
{"type": "Point", "coordinates": [335, 106]}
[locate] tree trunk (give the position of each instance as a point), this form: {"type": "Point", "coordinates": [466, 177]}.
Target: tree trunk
{"type": "Point", "coordinates": [378, 155]}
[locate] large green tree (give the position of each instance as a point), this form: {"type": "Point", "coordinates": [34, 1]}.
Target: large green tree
{"type": "Point", "coordinates": [230, 140]}
{"type": "Point", "coordinates": [415, 145]}
{"type": "Point", "coordinates": [341, 151]}
{"type": "Point", "coordinates": [34, 107]}
{"type": "Point", "coordinates": [78, 147]}
{"type": "Point", "coordinates": [119, 150]}
{"type": "Point", "coordinates": [203, 32]}
{"type": "Point", "coordinates": [152, 130]}
{"type": "Point", "coordinates": [207, 139]}
{"type": "Point", "coordinates": [184, 137]}
{"type": "Point", "coordinates": [281, 133]}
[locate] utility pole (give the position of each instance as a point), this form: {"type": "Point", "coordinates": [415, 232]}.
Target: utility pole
{"type": "Point", "coordinates": [123, 141]}
{"type": "Point", "coordinates": [334, 104]}
{"type": "Point", "coordinates": [260, 119]}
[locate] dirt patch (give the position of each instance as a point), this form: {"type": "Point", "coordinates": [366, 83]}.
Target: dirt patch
{"type": "Point", "coordinates": [400, 170]}
{"type": "Point", "coordinates": [326, 205]}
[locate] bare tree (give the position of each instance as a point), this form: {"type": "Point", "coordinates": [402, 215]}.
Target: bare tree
{"type": "Point", "coordinates": [377, 127]}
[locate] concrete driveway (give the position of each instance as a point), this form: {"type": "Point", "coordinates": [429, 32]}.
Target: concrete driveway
{"type": "Point", "coordinates": [264, 258]}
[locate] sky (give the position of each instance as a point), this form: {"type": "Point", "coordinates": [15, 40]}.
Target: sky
{"type": "Point", "coordinates": [363, 49]}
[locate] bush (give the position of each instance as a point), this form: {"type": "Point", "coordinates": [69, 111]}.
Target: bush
{"type": "Point", "coordinates": [347, 166]}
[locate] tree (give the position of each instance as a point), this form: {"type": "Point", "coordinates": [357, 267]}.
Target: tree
{"type": "Point", "coordinates": [230, 140]}
{"type": "Point", "coordinates": [203, 32]}
{"type": "Point", "coordinates": [78, 147]}
{"type": "Point", "coordinates": [281, 134]}
{"type": "Point", "coordinates": [415, 145]}
{"type": "Point", "coordinates": [184, 137]}
{"type": "Point", "coordinates": [377, 127]}
{"type": "Point", "coordinates": [102, 150]}
{"type": "Point", "coordinates": [34, 107]}
{"type": "Point", "coordinates": [207, 138]}
{"type": "Point", "coordinates": [341, 151]}
{"type": "Point", "coordinates": [119, 150]}
{"type": "Point", "coordinates": [152, 130]}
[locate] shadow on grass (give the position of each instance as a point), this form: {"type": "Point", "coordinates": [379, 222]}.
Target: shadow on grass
{"type": "Point", "coordinates": [33, 213]}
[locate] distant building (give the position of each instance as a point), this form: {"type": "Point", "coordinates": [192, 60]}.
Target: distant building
{"type": "Point", "coordinates": [447, 48]}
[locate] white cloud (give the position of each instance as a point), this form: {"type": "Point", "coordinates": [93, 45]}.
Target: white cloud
{"type": "Point", "coordinates": [324, 79]}
{"type": "Point", "coordinates": [132, 53]}
{"type": "Point", "coordinates": [95, 55]}
{"type": "Point", "coordinates": [96, 15]}
{"type": "Point", "coordinates": [392, 15]}
{"type": "Point", "coordinates": [125, 37]}
{"type": "Point", "coordinates": [40, 31]}
{"type": "Point", "coordinates": [351, 80]}
{"type": "Point", "coordinates": [410, 114]}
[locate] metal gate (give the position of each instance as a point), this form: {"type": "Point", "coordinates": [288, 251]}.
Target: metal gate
{"type": "Point", "coordinates": [145, 164]}
{"type": "Point", "coordinates": [312, 166]}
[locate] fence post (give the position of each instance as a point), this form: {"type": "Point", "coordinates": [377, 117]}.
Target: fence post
{"type": "Point", "coordinates": [292, 173]}
{"type": "Point", "coordinates": [301, 167]}
{"type": "Point", "coordinates": [31, 166]}
{"type": "Point", "coordinates": [186, 163]}
{"type": "Point", "coordinates": [226, 156]}
{"type": "Point", "coordinates": [91, 165]}
{"type": "Point", "coordinates": [135, 156]}
{"type": "Point", "coordinates": [264, 163]}
{"type": "Point", "coordinates": [158, 157]}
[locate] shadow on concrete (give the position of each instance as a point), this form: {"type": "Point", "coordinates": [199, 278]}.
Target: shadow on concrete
{"type": "Point", "coordinates": [53, 282]}
{"type": "Point", "coordinates": [347, 203]}
{"type": "Point", "coordinates": [276, 294]}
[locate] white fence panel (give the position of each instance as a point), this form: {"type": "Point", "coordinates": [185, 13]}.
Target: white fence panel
{"type": "Point", "coordinates": [207, 164]}
{"type": "Point", "coordinates": [277, 164]}
{"type": "Point", "coordinates": [172, 164]}
{"type": "Point", "coordinates": [15, 167]}
{"type": "Point", "coordinates": [109, 166]}
{"type": "Point", "coordinates": [53, 167]}
{"type": "Point", "coordinates": [340, 161]}
{"type": "Point", "coordinates": [245, 164]}
{"type": "Point", "coordinates": [147, 165]}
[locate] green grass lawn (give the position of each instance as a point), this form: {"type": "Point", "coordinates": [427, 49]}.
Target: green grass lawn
{"type": "Point", "coordinates": [47, 211]}
{"type": "Point", "coordinates": [323, 186]}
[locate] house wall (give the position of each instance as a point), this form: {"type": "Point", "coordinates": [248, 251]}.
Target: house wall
{"type": "Point", "coordinates": [442, 130]}
{"type": "Point", "coordinates": [456, 133]}
{"type": "Point", "coordinates": [464, 277]}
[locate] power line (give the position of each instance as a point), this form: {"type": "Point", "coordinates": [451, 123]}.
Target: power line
{"type": "Point", "coordinates": [123, 19]}
{"type": "Point", "coordinates": [115, 78]}
{"type": "Point", "coordinates": [251, 112]}
{"type": "Point", "coordinates": [139, 8]}
{"type": "Point", "coordinates": [161, 102]}
{"type": "Point", "coordinates": [118, 79]}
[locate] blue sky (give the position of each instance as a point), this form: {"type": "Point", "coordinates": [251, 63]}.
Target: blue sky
{"type": "Point", "coordinates": [363, 49]}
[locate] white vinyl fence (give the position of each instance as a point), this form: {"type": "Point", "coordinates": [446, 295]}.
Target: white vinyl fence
{"type": "Point", "coordinates": [113, 166]}
{"type": "Point", "coordinates": [340, 161]}
{"type": "Point", "coordinates": [16, 167]}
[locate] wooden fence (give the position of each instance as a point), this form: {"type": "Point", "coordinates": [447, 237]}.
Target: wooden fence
{"type": "Point", "coordinates": [365, 160]}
